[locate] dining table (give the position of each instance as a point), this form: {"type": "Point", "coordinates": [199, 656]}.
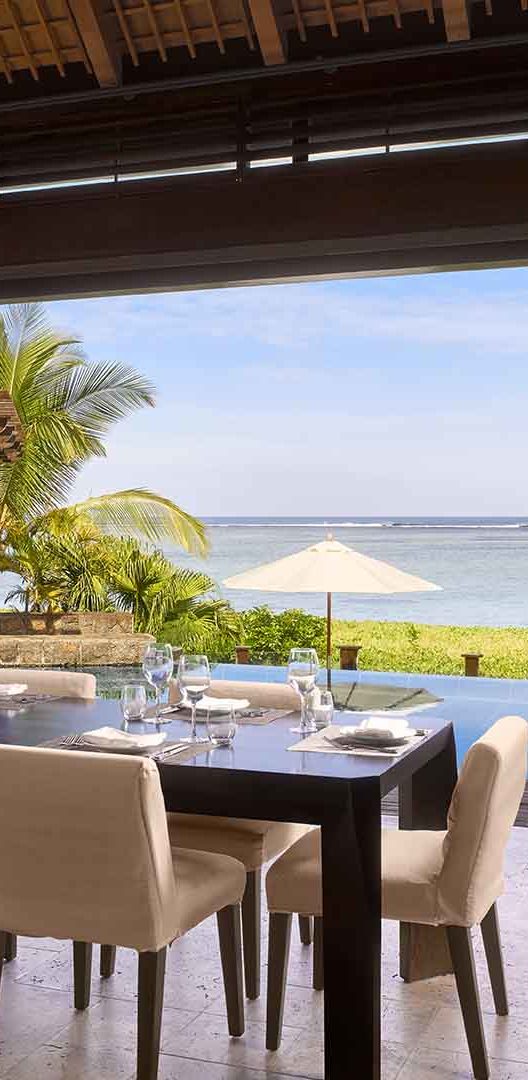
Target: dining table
{"type": "Point", "coordinates": [259, 777]}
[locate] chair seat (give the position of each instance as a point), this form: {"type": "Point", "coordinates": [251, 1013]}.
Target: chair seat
{"type": "Point", "coordinates": [252, 842]}
{"type": "Point", "coordinates": [205, 883]}
{"type": "Point", "coordinates": [411, 863]}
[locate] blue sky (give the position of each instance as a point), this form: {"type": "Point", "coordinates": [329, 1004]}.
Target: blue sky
{"type": "Point", "coordinates": [404, 395]}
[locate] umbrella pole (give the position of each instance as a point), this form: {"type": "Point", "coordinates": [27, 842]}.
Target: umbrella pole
{"type": "Point", "coordinates": [329, 641]}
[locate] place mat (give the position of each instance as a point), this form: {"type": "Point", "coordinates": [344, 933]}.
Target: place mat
{"type": "Point", "coordinates": [22, 700]}
{"type": "Point", "coordinates": [369, 697]}
{"type": "Point", "coordinates": [266, 716]}
{"type": "Point", "coordinates": [64, 742]}
{"type": "Point", "coordinates": [318, 744]}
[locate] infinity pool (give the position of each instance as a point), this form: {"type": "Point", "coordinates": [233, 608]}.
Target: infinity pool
{"type": "Point", "coordinates": [471, 704]}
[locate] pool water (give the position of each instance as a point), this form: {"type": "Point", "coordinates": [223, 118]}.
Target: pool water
{"type": "Point", "coordinates": [472, 705]}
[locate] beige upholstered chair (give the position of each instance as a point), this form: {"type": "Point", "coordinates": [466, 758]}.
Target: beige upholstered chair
{"type": "Point", "coordinates": [66, 684]}
{"type": "Point", "coordinates": [253, 842]}
{"type": "Point", "coordinates": [86, 856]}
{"type": "Point", "coordinates": [449, 879]}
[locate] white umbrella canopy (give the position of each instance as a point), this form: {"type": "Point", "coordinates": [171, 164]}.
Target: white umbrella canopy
{"type": "Point", "coordinates": [329, 567]}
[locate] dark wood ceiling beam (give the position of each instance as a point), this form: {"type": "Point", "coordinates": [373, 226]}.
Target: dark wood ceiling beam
{"type": "Point", "coordinates": [416, 212]}
{"type": "Point", "coordinates": [268, 32]}
{"type": "Point", "coordinates": [456, 18]}
{"type": "Point", "coordinates": [100, 44]}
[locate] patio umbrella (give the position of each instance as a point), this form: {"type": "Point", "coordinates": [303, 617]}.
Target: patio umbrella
{"type": "Point", "coordinates": [329, 567]}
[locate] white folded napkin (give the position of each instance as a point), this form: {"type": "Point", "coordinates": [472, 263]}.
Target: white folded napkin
{"type": "Point", "coordinates": [113, 739]}
{"type": "Point", "coordinates": [221, 705]}
{"type": "Point", "coordinates": [11, 689]}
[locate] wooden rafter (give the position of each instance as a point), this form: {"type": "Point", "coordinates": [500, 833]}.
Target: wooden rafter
{"type": "Point", "coordinates": [396, 13]}
{"type": "Point", "coordinates": [216, 28]}
{"type": "Point", "coordinates": [100, 47]}
{"type": "Point", "coordinates": [6, 67]}
{"type": "Point", "coordinates": [49, 34]}
{"type": "Point", "coordinates": [126, 32]}
{"type": "Point", "coordinates": [155, 30]}
{"type": "Point", "coordinates": [21, 35]}
{"type": "Point", "coordinates": [247, 28]}
{"type": "Point", "coordinates": [363, 16]}
{"type": "Point", "coordinates": [268, 33]}
{"type": "Point", "coordinates": [186, 29]}
{"type": "Point", "coordinates": [331, 17]}
{"type": "Point", "coordinates": [301, 25]}
{"type": "Point", "coordinates": [456, 18]}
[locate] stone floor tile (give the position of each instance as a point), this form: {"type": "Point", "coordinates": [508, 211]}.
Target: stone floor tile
{"type": "Point", "coordinates": [506, 1036]}
{"type": "Point", "coordinates": [177, 1068]}
{"type": "Point", "coordinates": [29, 1018]}
{"type": "Point", "coordinates": [74, 1063]}
{"type": "Point", "coordinates": [446, 1065]}
{"type": "Point", "coordinates": [207, 1039]}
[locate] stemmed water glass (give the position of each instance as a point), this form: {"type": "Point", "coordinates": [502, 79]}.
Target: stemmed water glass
{"type": "Point", "coordinates": [158, 665]}
{"type": "Point", "coordinates": [194, 678]}
{"type": "Point", "coordinates": [303, 669]}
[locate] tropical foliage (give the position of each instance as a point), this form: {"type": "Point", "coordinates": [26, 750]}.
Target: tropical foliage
{"type": "Point", "coordinates": [75, 571]}
{"type": "Point", "coordinates": [66, 405]}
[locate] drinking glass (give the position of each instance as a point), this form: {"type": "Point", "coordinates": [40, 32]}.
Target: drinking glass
{"type": "Point", "coordinates": [158, 665]}
{"type": "Point", "coordinates": [133, 701]}
{"type": "Point", "coordinates": [222, 727]}
{"type": "Point", "coordinates": [303, 669]}
{"type": "Point", "coordinates": [322, 709]}
{"type": "Point", "coordinates": [194, 678]}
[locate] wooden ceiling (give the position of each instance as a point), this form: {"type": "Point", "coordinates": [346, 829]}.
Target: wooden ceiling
{"type": "Point", "coordinates": [115, 41]}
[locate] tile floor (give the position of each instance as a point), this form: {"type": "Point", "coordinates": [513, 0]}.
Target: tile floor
{"type": "Point", "coordinates": [42, 1038]}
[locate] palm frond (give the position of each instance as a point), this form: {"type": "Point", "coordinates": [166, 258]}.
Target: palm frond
{"type": "Point", "coordinates": [139, 512]}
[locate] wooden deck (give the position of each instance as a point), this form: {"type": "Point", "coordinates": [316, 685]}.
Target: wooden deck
{"type": "Point", "coordinates": [390, 807]}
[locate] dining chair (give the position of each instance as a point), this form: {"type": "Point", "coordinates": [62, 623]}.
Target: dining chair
{"type": "Point", "coordinates": [253, 842]}
{"type": "Point", "coordinates": [60, 683]}
{"type": "Point", "coordinates": [66, 684]}
{"type": "Point", "coordinates": [450, 878]}
{"type": "Point", "coordinates": [86, 857]}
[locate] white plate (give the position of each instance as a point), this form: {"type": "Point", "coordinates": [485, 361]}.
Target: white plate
{"type": "Point", "coordinates": [12, 689]}
{"type": "Point", "coordinates": [221, 705]}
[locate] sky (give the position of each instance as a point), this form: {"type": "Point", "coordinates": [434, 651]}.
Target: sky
{"type": "Point", "coordinates": [382, 396]}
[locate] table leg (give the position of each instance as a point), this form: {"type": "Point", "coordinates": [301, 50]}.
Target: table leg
{"type": "Point", "coordinates": [351, 860]}
{"type": "Point", "coordinates": [424, 803]}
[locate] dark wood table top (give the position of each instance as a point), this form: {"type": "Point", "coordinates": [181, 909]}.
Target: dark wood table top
{"type": "Point", "coordinates": [258, 749]}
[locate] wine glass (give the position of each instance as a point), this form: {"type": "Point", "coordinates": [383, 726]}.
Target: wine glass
{"type": "Point", "coordinates": [303, 669]}
{"type": "Point", "coordinates": [194, 678]}
{"type": "Point", "coordinates": [158, 665]}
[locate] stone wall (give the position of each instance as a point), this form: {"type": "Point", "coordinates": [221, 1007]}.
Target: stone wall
{"type": "Point", "coordinates": [97, 624]}
{"type": "Point", "coordinates": [72, 651]}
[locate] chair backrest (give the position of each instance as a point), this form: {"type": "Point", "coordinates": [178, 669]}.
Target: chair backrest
{"type": "Point", "coordinates": [482, 812]}
{"type": "Point", "coordinates": [85, 852]}
{"type": "Point", "coordinates": [259, 694]}
{"type": "Point", "coordinates": [70, 684]}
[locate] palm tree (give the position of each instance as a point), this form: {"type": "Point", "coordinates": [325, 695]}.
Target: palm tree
{"type": "Point", "coordinates": [66, 405]}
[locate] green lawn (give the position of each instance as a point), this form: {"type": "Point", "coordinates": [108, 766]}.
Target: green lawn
{"type": "Point", "coordinates": [436, 649]}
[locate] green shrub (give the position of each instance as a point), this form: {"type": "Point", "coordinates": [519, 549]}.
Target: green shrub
{"type": "Point", "coordinates": [270, 636]}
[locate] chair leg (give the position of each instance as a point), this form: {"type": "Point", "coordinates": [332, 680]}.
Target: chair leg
{"type": "Point", "coordinates": [278, 953]}
{"type": "Point", "coordinates": [318, 963]}
{"type": "Point", "coordinates": [107, 961]}
{"type": "Point", "coordinates": [150, 1006]}
{"type": "Point", "coordinates": [251, 906]}
{"type": "Point", "coordinates": [493, 949]}
{"type": "Point", "coordinates": [10, 947]}
{"type": "Point", "coordinates": [461, 948]}
{"type": "Point", "coordinates": [305, 929]}
{"type": "Point", "coordinates": [229, 933]}
{"type": "Point", "coordinates": [82, 973]}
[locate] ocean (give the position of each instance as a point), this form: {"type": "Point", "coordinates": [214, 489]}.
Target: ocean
{"type": "Point", "coordinates": [481, 564]}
